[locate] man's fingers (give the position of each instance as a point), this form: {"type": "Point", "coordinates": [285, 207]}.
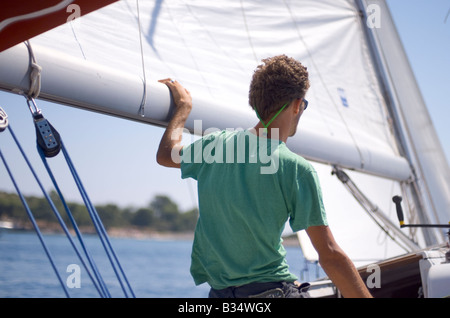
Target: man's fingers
{"type": "Point", "coordinates": [167, 81]}
{"type": "Point", "coordinates": [178, 91]}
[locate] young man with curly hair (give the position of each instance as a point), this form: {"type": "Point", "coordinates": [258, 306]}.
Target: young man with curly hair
{"type": "Point", "coordinates": [243, 207]}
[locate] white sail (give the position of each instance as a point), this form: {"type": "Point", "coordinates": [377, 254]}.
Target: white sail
{"type": "Point", "coordinates": [212, 48]}
{"type": "Point", "coordinates": [213, 53]}
{"type": "Point", "coordinates": [420, 141]}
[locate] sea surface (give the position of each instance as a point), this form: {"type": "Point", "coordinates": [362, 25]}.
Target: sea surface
{"type": "Point", "coordinates": [154, 268]}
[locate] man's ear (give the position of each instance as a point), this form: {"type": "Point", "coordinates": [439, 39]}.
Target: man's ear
{"type": "Point", "coordinates": [297, 103]}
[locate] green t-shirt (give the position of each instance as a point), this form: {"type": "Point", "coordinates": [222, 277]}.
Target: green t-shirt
{"type": "Point", "coordinates": [248, 187]}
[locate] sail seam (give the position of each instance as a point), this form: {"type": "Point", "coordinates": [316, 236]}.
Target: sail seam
{"type": "Point", "coordinates": [248, 30]}
{"type": "Point", "coordinates": [188, 49]}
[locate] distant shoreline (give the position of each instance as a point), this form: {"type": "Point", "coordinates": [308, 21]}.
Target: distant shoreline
{"type": "Point", "coordinates": [119, 232]}
{"type": "Point", "coordinates": [149, 234]}
{"type": "Point", "coordinates": [137, 233]}
{"type": "Point", "coordinates": [290, 241]}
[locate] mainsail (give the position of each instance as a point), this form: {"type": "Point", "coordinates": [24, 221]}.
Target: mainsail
{"type": "Point", "coordinates": [109, 61]}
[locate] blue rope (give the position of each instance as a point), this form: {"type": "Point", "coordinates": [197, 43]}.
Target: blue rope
{"type": "Point", "coordinates": [57, 214]}
{"type": "Point", "coordinates": [33, 221]}
{"type": "Point", "coordinates": [98, 225]}
{"type": "Point", "coordinates": [104, 290]}
{"type": "Point", "coordinates": [50, 144]}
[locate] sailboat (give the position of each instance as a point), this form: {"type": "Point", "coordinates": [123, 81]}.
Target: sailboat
{"type": "Point", "coordinates": [369, 134]}
{"type": "Point", "coordinates": [5, 225]}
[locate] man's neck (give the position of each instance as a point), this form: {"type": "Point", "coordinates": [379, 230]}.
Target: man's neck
{"type": "Point", "coordinates": [272, 132]}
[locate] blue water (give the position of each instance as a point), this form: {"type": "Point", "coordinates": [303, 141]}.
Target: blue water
{"type": "Point", "coordinates": [154, 268]}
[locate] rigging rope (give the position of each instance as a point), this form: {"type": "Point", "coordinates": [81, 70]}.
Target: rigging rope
{"type": "Point", "coordinates": [27, 209]}
{"type": "Point", "coordinates": [375, 213]}
{"type": "Point", "coordinates": [52, 205]}
{"type": "Point", "coordinates": [35, 74]}
{"type": "Point", "coordinates": [144, 95]}
{"type": "Point", "coordinates": [47, 137]}
{"type": "Point", "coordinates": [102, 289]}
{"type": "Point", "coordinates": [49, 144]}
{"type": "Point", "coordinates": [118, 270]}
{"type": "Point", "coordinates": [35, 225]}
{"type": "Point", "coordinates": [99, 227]}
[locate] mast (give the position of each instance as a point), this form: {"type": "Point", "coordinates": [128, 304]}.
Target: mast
{"type": "Point", "coordinates": [430, 187]}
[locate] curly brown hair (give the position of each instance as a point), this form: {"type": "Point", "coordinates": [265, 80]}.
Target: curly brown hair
{"type": "Point", "coordinates": [278, 81]}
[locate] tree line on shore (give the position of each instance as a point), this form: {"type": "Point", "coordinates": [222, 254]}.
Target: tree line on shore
{"type": "Point", "coordinates": [162, 214]}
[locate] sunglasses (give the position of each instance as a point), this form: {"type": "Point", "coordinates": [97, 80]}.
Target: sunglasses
{"type": "Point", "coordinates": [305, 102]}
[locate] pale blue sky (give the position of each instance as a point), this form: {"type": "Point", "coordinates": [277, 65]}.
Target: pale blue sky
{"type": "Point", "coordinates": [116, 157]}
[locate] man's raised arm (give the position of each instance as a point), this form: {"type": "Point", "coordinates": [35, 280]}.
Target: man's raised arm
{"type": "Point", "coordinates": [168, 154]}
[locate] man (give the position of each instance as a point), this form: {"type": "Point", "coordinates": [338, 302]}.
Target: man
{"type": "Point", "coordinates": [237, 247]}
